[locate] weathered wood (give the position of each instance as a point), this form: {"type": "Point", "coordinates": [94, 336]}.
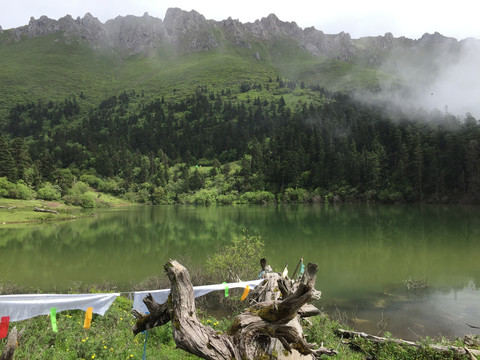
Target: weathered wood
{"type": "Point", "coordinates": [12, 344]}
{"type": "Point", "coordinates": [308, 310]}
{"type": "Point", "coordinates": [296, 268]}
{"type": "Point", "coordinates": [268, 289]}
{"type": "Point", "coordinates": [347, 334]}
{"type": "Point", "coordinates": [270, 321]}
{"type": "Point", "coordinates": [471, 340]}
{"type": "Point", "coordinates": [158, 315]}
{"type": "Point", "coordinates": [188, 332]}
{"type": "Point", "coordinates": [45, 210]}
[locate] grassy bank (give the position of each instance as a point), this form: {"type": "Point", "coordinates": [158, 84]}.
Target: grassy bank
{"type": "Point", "coordinates": [110, 337]}
{"type": "Point", "coordinates": [15, 211]}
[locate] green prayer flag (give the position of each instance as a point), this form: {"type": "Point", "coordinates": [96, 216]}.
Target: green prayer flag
{"type": "Point", "coordinates": [226, 289]}
{"type": "Point", "coordinates": [53, 318]}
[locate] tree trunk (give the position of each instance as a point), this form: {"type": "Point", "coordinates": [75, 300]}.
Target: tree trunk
{"type": "Point", "coordinates": [45, 210]}
{"type": "Point", "coordinates": [255, 333]}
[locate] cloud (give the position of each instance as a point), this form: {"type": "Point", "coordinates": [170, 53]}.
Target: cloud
{"type": "Point", "coordinates": [445, 79]}
{"type": "Point", "coordinates": [457, 87]}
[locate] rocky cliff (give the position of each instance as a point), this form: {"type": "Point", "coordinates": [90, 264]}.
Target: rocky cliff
{"type": "Point", "coordinates": [190, 31]}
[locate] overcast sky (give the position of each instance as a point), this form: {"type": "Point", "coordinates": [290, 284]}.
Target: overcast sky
{"type": "Point", "coordinates": [410, 18]}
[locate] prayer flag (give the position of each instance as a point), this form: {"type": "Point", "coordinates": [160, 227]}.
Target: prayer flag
{"type": "Point", "coordinates": [88, 318]}
{"type": "Point", "coordinates": [226, 288]}
{"type": "Point", "coordinates": [53, 318]}
{"type": "Point", "coordinates": [4, 326]}
{"type": "Point", "coordinates": [245, 293]}
{"type": "Point", "coordinates": [302, 268]}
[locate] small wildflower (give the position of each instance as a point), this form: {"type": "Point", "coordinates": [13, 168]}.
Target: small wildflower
{"type": "Point", "coordinates": [111, 349]}
{"type": "Point", "coordinates": [93, 356]}
{"type": "Point", "coordinates": [83, 340]}
{"type": "Point", "coordinates": [104, 347]}
{"type": "Point", "coordinates": [121, 318]}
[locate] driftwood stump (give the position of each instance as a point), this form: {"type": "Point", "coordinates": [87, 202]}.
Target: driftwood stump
{"type": "Point", "coordinates": [347, 334]}
{"type": "Point", "coordinates": [255, 333]}
{"type": "Point", "coordinates": [37, 209]}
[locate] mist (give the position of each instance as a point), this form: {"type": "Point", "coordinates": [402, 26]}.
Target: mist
{"type": "Point", "coordinates": [448, 80]}
{"type": "Point", "coordinates": [456, 89]}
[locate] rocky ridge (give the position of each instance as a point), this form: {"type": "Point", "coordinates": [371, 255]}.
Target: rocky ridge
{"type": "Point", "coordinates": [190, 31]}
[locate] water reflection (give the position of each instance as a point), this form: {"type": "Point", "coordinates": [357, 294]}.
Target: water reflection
{"type": "Point", "coordinates": [365, 253]}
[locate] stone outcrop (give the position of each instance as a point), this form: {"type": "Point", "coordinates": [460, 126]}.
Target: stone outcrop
{"type": "Point", "coordinates": [190, 31]}
{"type": "Point", "coordinates": [88, 28]}
{"type": "Point", "coordinates": [135, 33]}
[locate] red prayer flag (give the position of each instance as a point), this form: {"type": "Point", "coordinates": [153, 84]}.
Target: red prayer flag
{"type": "Point", "coordinates": [4, 326]}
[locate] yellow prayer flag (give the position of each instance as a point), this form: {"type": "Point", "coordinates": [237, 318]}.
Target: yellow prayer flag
{"type": "Point", "coordinates": [88, 318]}
{"type": "Point", "coordinates": [245, 293]}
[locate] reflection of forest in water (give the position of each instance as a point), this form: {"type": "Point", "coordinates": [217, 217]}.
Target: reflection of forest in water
{"type": "Point", "coordinates": [358, 248]}
{"type": "Point", "coordinates": [364, 253]}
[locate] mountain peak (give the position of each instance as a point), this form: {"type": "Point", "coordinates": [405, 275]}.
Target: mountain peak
{"type": "Point", "coordinates": [191, 31]}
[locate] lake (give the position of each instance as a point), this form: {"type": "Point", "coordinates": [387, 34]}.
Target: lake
{"type": "Point", "coordinates": [365, 254]}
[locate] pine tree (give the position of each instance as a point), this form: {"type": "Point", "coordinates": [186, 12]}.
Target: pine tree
{"type": "Point", "coordinates": [21, 157]}
{"type": "Point", "coordinates": [7, 163]}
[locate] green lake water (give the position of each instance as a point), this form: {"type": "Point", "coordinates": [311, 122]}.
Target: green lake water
{"type": "Point", "coordinates": [364, 252]}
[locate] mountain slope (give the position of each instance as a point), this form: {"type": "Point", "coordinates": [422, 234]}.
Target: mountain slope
{"type": "Point", "coordinates": [49, 59]}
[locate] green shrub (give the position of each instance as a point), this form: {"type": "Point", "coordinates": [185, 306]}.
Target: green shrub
{"type": "Point", "coordinates": [160, 196]}
{"type": "Point", "coordinates": [205, 197]}
{"type": "Point", "coordinates": [110, 186]}
{"type": "Point", "coordinates": [79, 188]}
{"type": "Point", "coordinates": [79, 196]}
{"type": "Point", "coordinates": [5, 187]}
{"type": "Point", "coordinates": [21, 191]}
{"type": "Point", "coordinates": [298, 195]}
{"type": "Point", "coordinates": [257, 197]}
{"type": "Point", "coordinates": [92, 180]}
{"type": "Point", "coordinates": [389, 196]}
{"type": "Point", "coordinates": [49, 192]}
{"type": "Point", "coordinates": [87, 201]}
{"type": "Point", "coordinates": [241, 257]}
{"type": "Point", "coordinates": [226, 199]}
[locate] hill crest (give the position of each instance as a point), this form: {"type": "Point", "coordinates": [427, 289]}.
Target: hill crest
{"type": "Point", "coordinates": [191, 31]}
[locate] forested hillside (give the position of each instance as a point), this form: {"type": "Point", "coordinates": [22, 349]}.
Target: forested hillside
{"type": "Point", "coordinates": [261, 142]}
{"type": "Point", "coordinates": [190, 110]}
